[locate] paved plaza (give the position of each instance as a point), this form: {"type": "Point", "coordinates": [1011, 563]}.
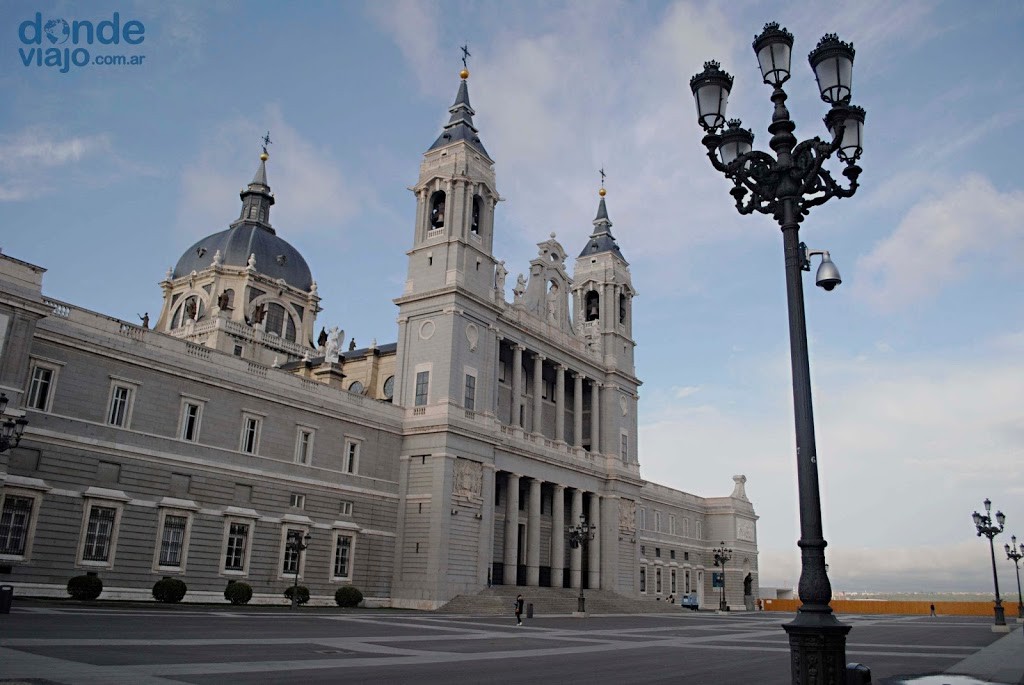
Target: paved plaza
{"type": "Point", "coordinates": [58, 643]}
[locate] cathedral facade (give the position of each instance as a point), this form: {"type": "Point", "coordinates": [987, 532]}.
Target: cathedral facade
{"type": "Point", "coordinates": [452, 459]}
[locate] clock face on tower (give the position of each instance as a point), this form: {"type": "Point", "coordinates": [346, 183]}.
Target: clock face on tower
{"type": "Point", "coordinates": [389, 387]}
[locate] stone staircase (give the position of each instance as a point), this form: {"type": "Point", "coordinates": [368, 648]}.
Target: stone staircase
{"type": "Point", "coordinates": [549, 601]}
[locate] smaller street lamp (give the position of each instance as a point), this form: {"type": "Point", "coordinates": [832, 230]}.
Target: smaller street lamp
{"type": "Point", "coordinates": [297, 544]}
{"type": "Point", "coordinates": [11, 429]}
{"type": "Point", "coordinates": [985, 526]}
{"type": "Point", "coordinates": [578, 537]}
{"type": "Point", "coordinates": [1015, 554]}
{"type": "Point", "coordinates": [722, 555]}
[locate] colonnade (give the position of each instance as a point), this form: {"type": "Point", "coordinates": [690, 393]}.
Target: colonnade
{"type": "Point", "coordinates": [516, 414]}
{"type": "Point", "coordinates": [556, 553]}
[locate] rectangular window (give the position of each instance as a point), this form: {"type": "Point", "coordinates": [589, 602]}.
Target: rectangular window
{"type": "Point", "coordinates": [672, 581]}
{"type": "Point", "coordinates": [470, 402]}
{"type": "Point", "coordinates": [643, 550]}
{"type": "Point", "coordinates": [657, 552]}
{"type": "Point", "coordinates": [298, 501]}
{"type": "Point", "coordinates": [657, 521]}
{"type": "Point", "coordinates": [351, 457]}
{"type": "Point", "coordinates": [250, 434]}
{"type": "Point", "coordinates": [672, 525]}
{"type": "Point", "coordinates": [686, 582]}
{"type": "Point", "coordinates": [345, 508]}
{"type": "Point", "coordinates": [657, 580]}
{"type": "Point", "coordinates": [502, 371]}
{"type": "Point", "coordinates": [686, 556]}
{"type": "Point", "coordinates": [625, 448]}
{"type": "Point", "coordinates": [120, 405]}
{"type": "Point", "coordinates": [643, 519]}
{"type": "Point", "coordinates": [643, 579]}
{"type": "Point", "coordinates": [14, 524]}
{"type": "Point", "coordinates": [172, 541]}
{"type": "Point", "coordinates": [191, 413]}
{"type": "Point", "coordinates": [671, 554]}
{"type": "Point", "coordinates": [343, 556]}
{"type": "Point", "coordinates": [238, 538]}
{"type": "Point", "coordinates": [40, 387]}
{"type": "Point", "coordinates": [422, 386]}
{"type": "Point", "coordinates": [99, 533]}
{"type": "Point", "coordinates": [304, 446]}
{"type": "Point", "coordinates": [291, 554]}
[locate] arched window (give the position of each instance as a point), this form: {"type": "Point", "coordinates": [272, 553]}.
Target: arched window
{"type": "Point", "coordinates": [275, 318]}
{"type": "Point", "coordinates": [191, 308]}
{"type": "Point", "coordinates": [592, 306]}
{"type": "Point", "coordinates": [622, 308]}
{"type": "Point", "coordinates": [474, 223]}
{"type": "Point", "coordinates": [356, 387]}
{"type": "Point", "coordinates": [437, 209]}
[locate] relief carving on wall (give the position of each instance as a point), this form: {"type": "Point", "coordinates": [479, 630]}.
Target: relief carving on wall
{"type": "Point", "coordinates": [472, 336]}
{"type": "Point", "coordinates": [468, 479]}
{"type": "Point", "coordinates": [627, 515]}
{"type": "Point", "coordinates": [745, 530]}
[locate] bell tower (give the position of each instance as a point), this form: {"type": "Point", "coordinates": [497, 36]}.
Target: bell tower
{"type": "Point", "coordinates": [603, 295]}
{"type": "Point", "coordinates": [455, 200]}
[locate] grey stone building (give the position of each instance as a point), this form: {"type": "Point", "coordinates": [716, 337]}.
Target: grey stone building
{"type": "Point", "coordinates": [422, 469]}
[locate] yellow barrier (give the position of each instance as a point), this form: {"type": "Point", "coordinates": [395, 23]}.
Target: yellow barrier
{"type": "Point", "coordinates": [870, 606]}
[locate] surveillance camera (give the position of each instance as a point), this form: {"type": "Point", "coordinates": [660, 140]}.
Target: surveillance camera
{"type": "Point", "coordinates": [828, 284]}
{"type": "Point", "coordinates": [828, 275]}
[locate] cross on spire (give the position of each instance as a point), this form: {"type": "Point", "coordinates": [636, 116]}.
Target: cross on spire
{"type": "Point", "coordinates": [465, 54]}
{"type": "Point", "coordinates": [266, 141]}
{"type": "Point", "coordinates": [601, 171]}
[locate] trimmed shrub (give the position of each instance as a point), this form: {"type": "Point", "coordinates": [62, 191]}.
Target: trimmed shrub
{"type": "Point", "coordinates": [85, 587]}
{"type": "Point", "coordinates": [238, 592]}
{"type": "Point", "coordinates": [169, 590]}
{"type": "Point", "coordinates": [348, 596]}
{"type": "Point", "coordinates": [303, 593]}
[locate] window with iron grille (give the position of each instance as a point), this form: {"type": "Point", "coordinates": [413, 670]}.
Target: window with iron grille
{"type": "Point", "coordinates": [99, 533]}
{"type": "Point", "coordinates": [238, 537]}
{"type": "Point", "coordinates": [291, 554]}
{"type": "Point", "coordinates": [14, 522]}
{"type": "Point", "coordinates": [343, 556]}
{"type": "Point", "coordinates": [120, 402]}
{"type": "Point", "coordinates": [172, 541]}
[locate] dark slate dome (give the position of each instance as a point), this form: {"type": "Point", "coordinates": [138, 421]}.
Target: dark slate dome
{"type": "Point", "coordinates": [251, 234]}
{"type": "Point", "coordinates": [274, 256]}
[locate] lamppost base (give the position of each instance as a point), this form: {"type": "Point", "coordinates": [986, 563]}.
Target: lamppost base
{"type": "Point", "coordinates": [581, 604]}
{"type": "Point", "coordinates": [817, 648]}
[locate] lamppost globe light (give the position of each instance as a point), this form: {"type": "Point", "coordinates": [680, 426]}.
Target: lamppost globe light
{"type": "Point", "coordinates": [846, 125]}
{"type": "Point", "coordinates": [735, 142]}
{"type": "Point", "coordinates": [774, 50]}
{"type": "Point", "coordinates": [988, 505]}
{"type": "Point", "coordinates": [1000, 518]}
{"type": "Point", "coordinates": [977, 522]}
{"type": "Point", "coordinates": [3, 403]}
{"type": "Point", "coordinates": [711, 92]}
{"type": "Point", "coordinates": [832, 61]}
{"type": "Point", "coordinates": [11, 429]}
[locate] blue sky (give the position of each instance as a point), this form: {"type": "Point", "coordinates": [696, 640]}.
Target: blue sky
{"type": "Point", "coordinates": [107, 174]}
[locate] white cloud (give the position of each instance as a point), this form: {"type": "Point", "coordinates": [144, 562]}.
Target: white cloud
{"type": "Point", "coordinates": [314, 196]}
{"type": "Point", "coordinates": [415, 29]}
{"type": "Point", "coordinates": [944, 239]}
{"type": "Point", "coordinates": [30, 157]}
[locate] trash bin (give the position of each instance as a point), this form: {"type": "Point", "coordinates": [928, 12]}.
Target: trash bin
{"type": "Point", "coordinates": [6, 597]}
{"type": "Point", "coordinates": [529, 610]}
{"type": "Point", "coordinates": [858, 674]}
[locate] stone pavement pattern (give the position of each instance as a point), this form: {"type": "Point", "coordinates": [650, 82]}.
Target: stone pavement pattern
{"type": "Point", "coordinates": [61, 644]}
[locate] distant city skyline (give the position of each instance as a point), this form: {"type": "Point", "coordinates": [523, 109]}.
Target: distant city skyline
{"type": "Point", "coordinates": [109, 172]}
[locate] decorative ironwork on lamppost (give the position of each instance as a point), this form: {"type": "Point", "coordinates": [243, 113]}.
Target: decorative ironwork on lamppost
{"type": "Point", "coordinates": [11, 429]}
{"type": "Point", "coordinates": [579, 535]}
{"type": "Point", "coordinates": [722, 555]}
{"type": "Point", "coordinates": [786, 187]}
{"type": "Point", "coordinates": [1015, 554]}
{"type": "Point", "coordinates": [989, 528]}
{"type": "Point", "coordinates": [297, 544]}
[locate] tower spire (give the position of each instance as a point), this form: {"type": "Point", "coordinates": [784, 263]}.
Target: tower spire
{"type": "Point", "coordinates": [460, 123]}
{"type": "Point", "coordinates": [257, 198]}
{"type": "Point", "coordinates": [602, 240]}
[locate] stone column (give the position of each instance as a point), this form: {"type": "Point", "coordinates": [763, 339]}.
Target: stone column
{"type": "Point", "coordinates": [485, 555]}
{"type": "Point", "coordinates": [517, 383]}
{"type": "Point", "coordinates": [511, 528]}
{"type": "Point", "coordinates": [594, 549]}
{"type": "Point", "coordinates": [576, 553]}
{"type": "Point", "coordinates": [533, 535]}
{"type": "Point", "coordinates": [577, 408]}
{"type": "Point", "coordinates": [558, 536]}
{"type": "Point", "coordinates": [560, 403]}
{"type": "Point", "coordinates": [595, 418]}
{"type": "Point", "coordinates": [538, 390]}
{"type": "Point", "coordinates": [495, 385]}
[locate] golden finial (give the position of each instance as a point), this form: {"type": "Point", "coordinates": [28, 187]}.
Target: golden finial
{"type": "Point", "coordinates": [602, 192]}
{"type": "Point", "coordinates": [264, 156]}
{"type": "Point", "coordinates": [464, 74]}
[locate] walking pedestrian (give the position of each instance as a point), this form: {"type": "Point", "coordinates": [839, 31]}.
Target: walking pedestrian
{"type": "Point", "coordinates": [933, 609]}
{"type": "Point", "coordinates": [519, 610]}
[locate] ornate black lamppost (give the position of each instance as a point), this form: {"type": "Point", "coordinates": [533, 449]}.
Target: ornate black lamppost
{"type": "Point", "coordinates": [786, 186]}
{"type": "Point", "coordinates": [1015, 555]}
{"type": "Point", "coordinates": [986, 527]}
{"type": "Point", "coordinates": [11, 429]}
{"type": "Point", "coordinates": [578, 537]}
{"type": "Point", "coordinates": [722, 555]}
{"type": "Point", "coordinates": [297, 544]}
